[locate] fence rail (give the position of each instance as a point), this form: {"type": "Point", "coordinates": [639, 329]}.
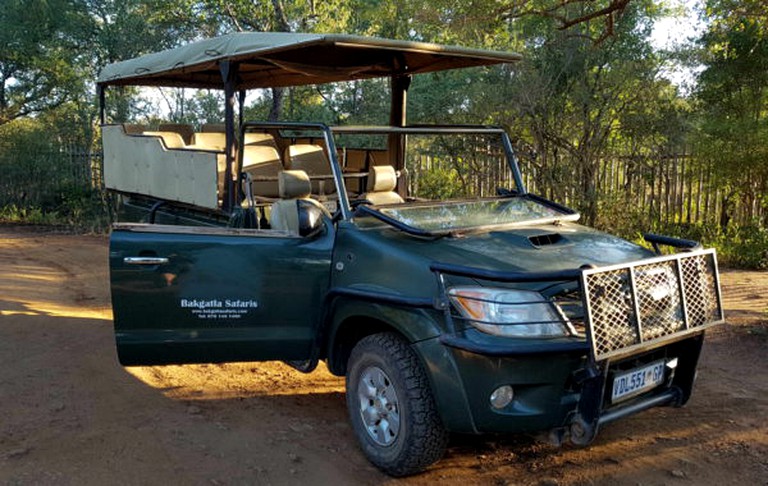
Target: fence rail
{"type": "Point", "coordinates": [42, 179]}
{"type": "Point", "coordinates": [657, 189]}
{"type": "Point", "coordinates": [666, 189]}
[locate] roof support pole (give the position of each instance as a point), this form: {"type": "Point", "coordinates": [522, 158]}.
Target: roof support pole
{"type": "Point", "coordinates": [399, 85]}
{"type": "Point", "coordinates": [240, 107]}
{"type": "Point", "coordinates": [229, 75]}
{"type": "Point", "coordinates": [241, 142]}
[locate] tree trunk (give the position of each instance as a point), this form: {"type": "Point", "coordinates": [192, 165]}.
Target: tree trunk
{"type": "Point", "coordinates": [725, 212]}
{"type": "Point", "coordinates": [281, 21]}
{"type": "Point", "coordinates": [277, 104]}
{"type": "Point", "coordinates": [589, 192]}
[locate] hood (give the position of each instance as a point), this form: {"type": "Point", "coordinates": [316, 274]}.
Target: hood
{"type": "Point", "coordinates": [383, 259]}
{"type": "Point", "coordinates": [540, 248]}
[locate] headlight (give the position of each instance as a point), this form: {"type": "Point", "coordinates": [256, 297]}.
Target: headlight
{"type": "Point", "coordinates": [509, 313]}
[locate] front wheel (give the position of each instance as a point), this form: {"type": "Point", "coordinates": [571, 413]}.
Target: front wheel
{"type": "Point", "coordinates": [391, 407]}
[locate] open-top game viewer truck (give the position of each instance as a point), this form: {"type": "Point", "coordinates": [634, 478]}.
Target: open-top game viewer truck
{"type": "Point", "coordinates": [492, 312]}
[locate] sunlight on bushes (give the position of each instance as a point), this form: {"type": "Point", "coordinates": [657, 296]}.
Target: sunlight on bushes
{"type": "Point", "coordinates": [440, 183]}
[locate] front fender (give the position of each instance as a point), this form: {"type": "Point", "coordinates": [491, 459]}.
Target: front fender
{"type": "Point", "coordinates": [414, 324]}
{"type": "Point", "coordinates": [352, 319]}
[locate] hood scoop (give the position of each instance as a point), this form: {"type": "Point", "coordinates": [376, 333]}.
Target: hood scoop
{"type": "Point", "coordinates": [546, 239]}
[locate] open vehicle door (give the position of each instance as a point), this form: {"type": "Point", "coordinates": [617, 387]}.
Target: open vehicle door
{"type": "Point", "coordinates": [200, 295]}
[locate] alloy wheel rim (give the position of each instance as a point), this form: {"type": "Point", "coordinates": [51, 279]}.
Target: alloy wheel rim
{"type": "Point", "coordinates": [379, 406]}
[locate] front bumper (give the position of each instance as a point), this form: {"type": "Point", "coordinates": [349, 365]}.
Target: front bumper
{"type": "Point", "coordinates": [633, 315]}
{"type": "Point", "coordinates": [560, 390]}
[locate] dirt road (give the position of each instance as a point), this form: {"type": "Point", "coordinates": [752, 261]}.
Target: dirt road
{"type": "Point", "coordinates": [69, 414]}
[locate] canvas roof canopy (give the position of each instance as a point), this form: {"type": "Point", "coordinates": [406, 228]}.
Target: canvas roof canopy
{"type": "Point", "coordinates": [247, 60]}
{"type": "Point", "coordinates": [276, 59]}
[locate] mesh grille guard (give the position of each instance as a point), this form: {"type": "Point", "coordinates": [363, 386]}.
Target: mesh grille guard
{"type": "Point", "coordinates": [638, 305]}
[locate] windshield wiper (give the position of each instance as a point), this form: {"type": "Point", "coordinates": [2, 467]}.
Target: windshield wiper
{"type": "Point", "coordinates": [556, 206]}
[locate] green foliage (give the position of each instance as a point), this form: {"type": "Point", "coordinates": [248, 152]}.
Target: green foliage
{"type": "Point", "coordinates": [739, 246]}
{"type": "Point", "coordinates": [25, 215]}
{"type": "Point", "coordinates": [440, 183]}
{"type": "Point", "coordinates": [617, 216]}
{"type": "Point", "coordinates": [26, 133]}
{"type": "Point", "coordinates": [42, 55]}
{"type": "Point", "coordinates": [732, 100]}
{"type": "Point", "coordinates": [744, 246]}
{"type": "Point", "coordinates": [574, 98]}
{"type": "Point", "coordinates": [44, 184]}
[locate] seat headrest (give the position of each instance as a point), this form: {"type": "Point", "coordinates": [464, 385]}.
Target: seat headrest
{"type": "Point", "coordinates": [184, 129]}
{"type": "Point", "coordinates": [133, 128]}
{"type": "Point", "coordinates": [260, 154]}
{"type": "Point", "coordinates": [259, 139]}
{"type": "Point", "coordinates": [293, 184]}
{"type": "Point", "coordinates": [382, 178]}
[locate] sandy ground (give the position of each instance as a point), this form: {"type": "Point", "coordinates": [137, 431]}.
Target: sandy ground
{"type": "Point", "coordinates": [70, 414]}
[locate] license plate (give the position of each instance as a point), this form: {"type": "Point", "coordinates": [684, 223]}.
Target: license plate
{"type": "Point", "coordinates": [637, 381]}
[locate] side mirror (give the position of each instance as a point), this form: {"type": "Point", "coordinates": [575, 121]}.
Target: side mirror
{"type": "Point", "coordinates": [310, 219]}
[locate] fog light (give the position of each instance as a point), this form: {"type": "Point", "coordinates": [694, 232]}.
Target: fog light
{"type": "Point", "coordinates": [672, 363]}
{"type": "Point", "coordinates": [502, 396]}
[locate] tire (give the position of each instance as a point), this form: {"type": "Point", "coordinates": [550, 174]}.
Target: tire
{"type": "Point", "coordinates": [391, 406]}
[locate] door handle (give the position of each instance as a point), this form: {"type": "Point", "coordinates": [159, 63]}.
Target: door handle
{"type": "Point", "coordinates": [143, 260]}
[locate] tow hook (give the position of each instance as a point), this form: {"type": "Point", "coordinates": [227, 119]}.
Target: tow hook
{"type": "Point", "coordinates": [581, 432]}
{"type": "Point", "coordinates": [578, 432]}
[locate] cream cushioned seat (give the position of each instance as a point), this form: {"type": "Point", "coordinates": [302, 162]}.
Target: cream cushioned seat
{"type": "Point", "coordinates": [260, 139]}
{"type": "Point", "coordinates": [311, 159]}
{"type": "Point", "coordinates": [184, 129]}
{"type": "Point", "coordinates": [263, 161]}
{"type": "Point", "coordinates": [209, 141]}
{"type": "Point", "coordinates": [172, 140]}
{"type": "Point", "coordinates": [382, 181]}
{"type": "Point", "coordinates": [295, 188]}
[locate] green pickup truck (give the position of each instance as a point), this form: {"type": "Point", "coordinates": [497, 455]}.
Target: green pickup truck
{"type": "Point", "coordinates": [490, 311]}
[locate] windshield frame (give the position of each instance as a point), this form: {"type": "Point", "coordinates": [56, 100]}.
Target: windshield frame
{"type": "Point", "coordinates": [506, 143]}
{"type": "Point", "coordinates": [512, 161]}
{"type": "Point", "coordinates": [566, 214]}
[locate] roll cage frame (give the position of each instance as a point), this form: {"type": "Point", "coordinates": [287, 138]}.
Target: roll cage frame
{"type": "Point", "coordinates": [238, 62]}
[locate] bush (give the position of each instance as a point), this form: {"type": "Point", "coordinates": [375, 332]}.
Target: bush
{"type": "Point", "coordinates": [439, 183]}
{"type": "Point", "coordinates": [740, 246]}
{"type": "Point", "coordinates": [45, 183]}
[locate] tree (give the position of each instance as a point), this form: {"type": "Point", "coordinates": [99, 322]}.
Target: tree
{"type": "Point", "coordinates": [568, 98]}
{"type": "Point", "coordinates": [478, 21]}
{"type": "Point", "coordinates": [43, 59]}
{"type": "Point", "coordinates": [274, 15]}
{"type": "Point", "coordinates": [733, 103]}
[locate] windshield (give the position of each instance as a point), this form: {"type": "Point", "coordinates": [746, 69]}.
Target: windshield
{"type": "Point", "coordinates": [459, 215]}
{"type": "Point", "coordinates": [455, 178]}
{"type": "Point", "coordinates": [440, 164]}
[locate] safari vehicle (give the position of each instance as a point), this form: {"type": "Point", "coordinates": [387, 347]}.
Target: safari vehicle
{"type": "Point", "coordinates": [492, 312]}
